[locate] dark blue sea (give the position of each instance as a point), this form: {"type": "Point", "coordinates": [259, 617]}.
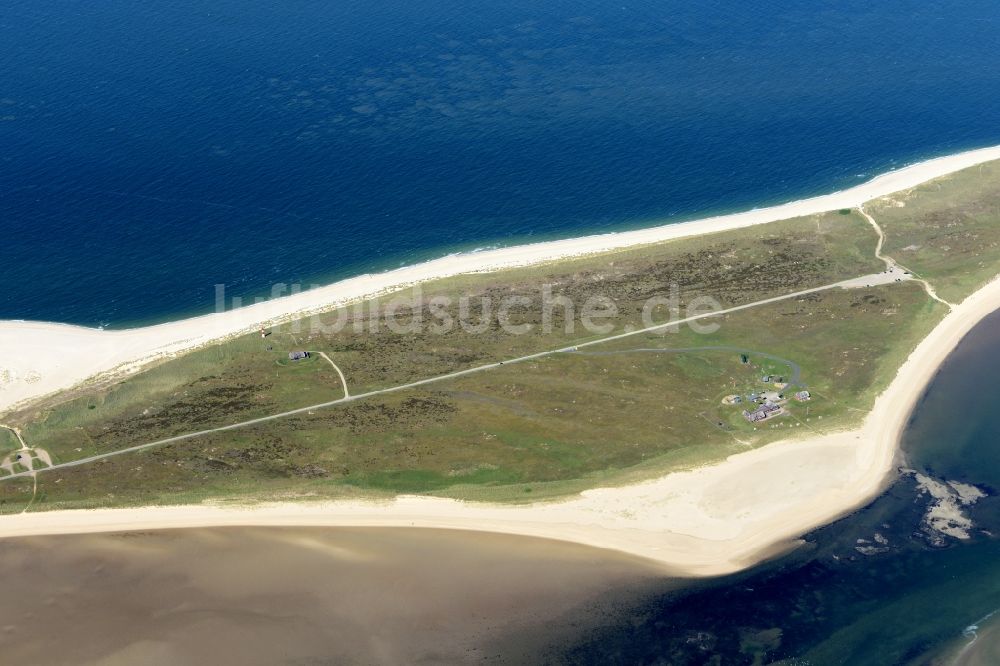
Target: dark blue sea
{"type": "Point", "coordinates": [150, 150]}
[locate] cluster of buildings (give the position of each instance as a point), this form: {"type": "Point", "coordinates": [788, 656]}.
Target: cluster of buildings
{"type": "Point", "coordinates": [762, 413]}
{"type": "Point", "coordinates": [771, 404]}
{"type": "Point", "coordinates": [765, 404]}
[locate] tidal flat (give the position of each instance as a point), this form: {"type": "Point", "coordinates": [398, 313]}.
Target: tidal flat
{"type": "Point", "coordinates": [308, 596]}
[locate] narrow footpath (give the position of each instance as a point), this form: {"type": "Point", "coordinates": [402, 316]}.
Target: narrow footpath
{"type": "Point", "coordinates": [892, 264]}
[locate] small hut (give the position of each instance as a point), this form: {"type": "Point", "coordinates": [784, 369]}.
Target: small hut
{"type": "Point", "coordinates": [297, 355]}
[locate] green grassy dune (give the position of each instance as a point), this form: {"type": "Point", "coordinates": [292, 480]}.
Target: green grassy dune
{"type": "Point", "coordinates": [611, 413]}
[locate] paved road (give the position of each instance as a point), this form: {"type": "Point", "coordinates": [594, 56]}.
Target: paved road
{"type": "Point", "coordinates": [846, 284]}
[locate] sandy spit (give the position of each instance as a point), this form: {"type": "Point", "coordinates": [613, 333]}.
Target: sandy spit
{"type": "Point", "coordinates": [709, 521]}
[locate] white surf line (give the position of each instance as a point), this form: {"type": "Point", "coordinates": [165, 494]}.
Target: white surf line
{"type": "Point", "coordinates": [347, 394]}
{"type": "Point", "coordinates": [972, 631]}
{"type": "Point", "coordinates": [843, 284]}
{"type": "Point", "coordinates": [892, 263]}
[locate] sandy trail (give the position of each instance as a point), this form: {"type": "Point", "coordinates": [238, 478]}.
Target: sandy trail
{"type": "Point", "coordinates": [892, 265]}
{"type": "Point", "coordinates": [16, 433]}
{"type": "Point", "coordinates": [343, 380]}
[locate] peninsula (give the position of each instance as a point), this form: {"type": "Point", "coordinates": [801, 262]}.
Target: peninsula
{"type": "Point", "coordinates": [700, 394]}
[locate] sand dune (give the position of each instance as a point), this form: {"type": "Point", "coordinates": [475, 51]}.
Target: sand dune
{"type": "Point", "coordinates": [712, 520]}
{"type": "Point", "coordinates": [41, 358]}
{"type": "Point", "coordinates": [708, 521]}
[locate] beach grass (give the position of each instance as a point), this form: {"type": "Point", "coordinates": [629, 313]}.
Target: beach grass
{"type": "Point", "coordinates": [545, 428]}
{"type": "Point", "coordinates": [946, 230]}
{"type": "Point", "coordinates": [554, 425]}
{"type": "Point", "coordinates": [8, 442]}
{"type": "Point", "coordinates": [242, 378]}
{"type": "Point", "coordinates": [15, 495]}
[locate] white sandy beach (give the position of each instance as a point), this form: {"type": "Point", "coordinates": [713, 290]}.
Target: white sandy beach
{"type": "Point", "coordinates": [708, 521]}
{"type": "Point", "coordinates": [40, 358]}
